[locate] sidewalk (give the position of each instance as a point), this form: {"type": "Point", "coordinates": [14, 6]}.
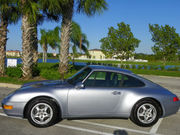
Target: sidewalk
{"type": "Point", "coordinates": [8, 85]}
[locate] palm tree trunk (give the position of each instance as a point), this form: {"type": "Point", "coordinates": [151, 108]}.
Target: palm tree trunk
{"type": "Point", "coordinates": [65, 38]}
{"type": "Point", "coordinates": [3, 40]}
{"type": "Point", "coordinates": [35, 44]}
{"type": "Point", "coordinates": [27, 47]}
{"type": "Point", "coordinates": [44, 53]}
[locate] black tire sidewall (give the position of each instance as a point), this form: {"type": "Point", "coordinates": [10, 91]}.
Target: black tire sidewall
{"type": "Point", "coordinates": [46, 101]}
{"type": "Point", "coordinates": [135, 119]}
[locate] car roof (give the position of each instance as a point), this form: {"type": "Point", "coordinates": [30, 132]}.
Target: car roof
{"type": "Point", "coordinates": [108, 68]}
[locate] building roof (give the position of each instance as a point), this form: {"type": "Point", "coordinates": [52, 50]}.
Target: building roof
{"type": "Point", "coordinates": [95, 50]}
{"type": "Point", "coordinates": [13, 51]}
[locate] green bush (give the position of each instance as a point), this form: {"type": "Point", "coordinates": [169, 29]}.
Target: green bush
{"type": "Point", "coordinates": [122, 66]}
{"type": "Point", "coordinates": [50, 74]}
{"type": "Point", "coordinates": [151, 67]}
{"type": "Point", "coordinates": [133, 66]}
{"type": "Point", "coordinates": [127, 66]}
{"type": "Point", "coordinates": [53, 66]}
{"type": "Point", "coordinates": [139, 67]}
{"type": "Point", "coordinates": [145, 67]}
{"type": "Point", "coordinates": [14, 72]}
{"type": "Point", "coordinates": [36, 71]}
{"type": "Point", "coordinates": [162, 68]}
{"type": "Point", "coordinates": [155, 67]}
{"type": "Point", "coordinates": [173, 68]}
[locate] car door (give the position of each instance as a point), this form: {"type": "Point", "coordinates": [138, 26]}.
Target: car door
{"type": "Point", "coordinates": [99, 97]}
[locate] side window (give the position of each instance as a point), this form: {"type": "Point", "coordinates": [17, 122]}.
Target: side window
{"type": "Point", "coordinates": [115, 80]}
{"type": "Point", "coordinates": [96, 79]}
{"type": "Point", "coordinates": [100, 75]}
{"type": "Point", "coordinates": [130, 81]}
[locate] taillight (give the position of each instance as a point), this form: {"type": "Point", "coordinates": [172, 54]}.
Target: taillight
{"type": "Point", "coordinates": [175, 99]}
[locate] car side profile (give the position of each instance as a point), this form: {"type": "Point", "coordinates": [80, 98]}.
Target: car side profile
{"type": "Point", "coordinates": [93, 92]}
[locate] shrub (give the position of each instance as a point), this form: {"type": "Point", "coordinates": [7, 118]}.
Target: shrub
{"type": "Point", "coordinates": [53, 66]}
{"type": "Point", "coordinates": [127, 66]}
{"type": "Point", "coordinates": [145, 67]}
{"type": "Point", "coordinates": [162, 68]}
{"type": "Point", "coordinates": [139, 67]}
{"type": "Point", "coordinates": [122, 66]}
{"type": "Point", "coordinates": [50, 74]}
{"type": "Point", "coordinates": [36, 71]}
{"type": "Point", "coordinates": [14, 71]}
{"type": "Point", "coordinates": [151, 67]}
{"type": "Point", "coordinates": [133, 66]}
{"type": "Point", "coordinates": [156, 67]}
{"type": "Point", "coordinates": [173, 68]}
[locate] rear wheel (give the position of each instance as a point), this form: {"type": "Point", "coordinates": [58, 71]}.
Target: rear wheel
{"type": "Point", "coordinates": [42, 112]}
{"type": "Point", "coordinates": [146, 113]}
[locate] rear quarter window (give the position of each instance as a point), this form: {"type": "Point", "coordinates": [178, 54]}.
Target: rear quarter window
{"type": "Point", "coordinates": [130, 81]}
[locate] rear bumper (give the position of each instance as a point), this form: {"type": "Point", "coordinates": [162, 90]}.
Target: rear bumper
{"type": "Point", "coordinates": [172, 108]}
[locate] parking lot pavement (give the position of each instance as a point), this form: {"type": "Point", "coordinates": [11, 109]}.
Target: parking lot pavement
{"type": "Point", "coordinates": [166, 126]}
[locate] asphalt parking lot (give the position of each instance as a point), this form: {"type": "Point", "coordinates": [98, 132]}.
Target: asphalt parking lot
{"type": "Point", "coordinates": [165, 126]}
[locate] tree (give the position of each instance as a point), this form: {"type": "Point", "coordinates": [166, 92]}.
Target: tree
{"type": "Point", "coordinates": [44, 43]}
{"type": "Point", "coordinates": [8, 14]}
{"type": "Point", "coordinates": [166, 41]}
{"type": "Point", "coordinates": [78, 40]}
{"type": "Point", "coordinates": [49, 38]}
{"type": "Point", "coordinates": [30, 11]}
{"type": "Point", "coordinates": [120, 43]}
{"type": "Point", "coordinates": [66, 9]}
{"type": "Point", "coordinates": [33, 13]}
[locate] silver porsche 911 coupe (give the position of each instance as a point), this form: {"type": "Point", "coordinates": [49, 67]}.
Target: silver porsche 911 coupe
{"type": "Point", "coordinates": [93, 92]}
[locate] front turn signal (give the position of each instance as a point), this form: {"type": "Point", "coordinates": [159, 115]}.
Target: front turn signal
{"type": "Point", "coordinates": [8, 107]}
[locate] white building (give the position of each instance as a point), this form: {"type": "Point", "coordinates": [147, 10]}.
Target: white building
{"type": "Point", "coordinates": [97, 54]}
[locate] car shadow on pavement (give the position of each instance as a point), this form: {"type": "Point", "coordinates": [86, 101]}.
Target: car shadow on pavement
{"type": "Point", "coordinates": [120, 132]}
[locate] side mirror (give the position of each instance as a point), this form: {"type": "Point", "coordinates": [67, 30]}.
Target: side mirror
{"type": "Point", "coordinates": [79, 85]}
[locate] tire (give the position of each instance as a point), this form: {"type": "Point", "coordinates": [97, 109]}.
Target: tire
{"type": "Point", "coordinates": [42, 112]}
{"type": "Point", "coordinates": [146, 113]}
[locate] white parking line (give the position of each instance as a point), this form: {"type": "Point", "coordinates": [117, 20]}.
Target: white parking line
{"type": "Point", "coordinates": [83, 129]}
{"type": "Point", "coordinates": [91, 123]}
{"type": "Point", "coordinates": [2, 114]}
{"type": "Point", "coordinates": [70, 127]}
{"type": "Point", "coordinates": [113, 127]}
{"type": "Point", "coordinates": [156, 126]}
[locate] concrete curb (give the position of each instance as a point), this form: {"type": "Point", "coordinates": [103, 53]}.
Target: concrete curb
{"type": "Point", "coordinates": [8, 85]}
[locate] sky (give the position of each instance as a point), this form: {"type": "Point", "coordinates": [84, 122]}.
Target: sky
{"type": "Point", "coordinates": [137, 13]}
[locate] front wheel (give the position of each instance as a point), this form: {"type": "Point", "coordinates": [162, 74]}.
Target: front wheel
{"type": "Point", "coordinates": [42, 112]}
{"type": "Point", "coordinates": [146, 113]}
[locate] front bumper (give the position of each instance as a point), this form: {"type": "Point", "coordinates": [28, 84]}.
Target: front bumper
{"type": "Point", "coordinates": [17, 108]}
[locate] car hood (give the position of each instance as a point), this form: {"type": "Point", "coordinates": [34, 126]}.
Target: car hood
{"type": "Point", "coordinates": [45, 83]}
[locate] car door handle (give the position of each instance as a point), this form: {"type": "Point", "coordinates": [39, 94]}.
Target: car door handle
{"type": "Point", "coordinates": [116, 93]}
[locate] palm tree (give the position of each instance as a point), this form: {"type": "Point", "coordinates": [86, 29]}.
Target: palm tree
{"type": "Point", "coordinates": [29, 11]}
{"type": "Point", "coordinates": [49, 38]}
{"type": "Point", "coordinates": [44, 43]}
{"type": "Point", "coordinates": [33, 13]}
{"type": "Point", "coordinates": [78, 40]}
{"type": "Point", "coordinates": [66, 9]}
{"type": "Point", "coordinates": [89, 7]}
{"type": "Point", "coordinates": [8, 14]}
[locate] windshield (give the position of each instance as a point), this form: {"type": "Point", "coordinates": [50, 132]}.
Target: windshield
{"type": "Point", "coordinates": [79, 76]}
